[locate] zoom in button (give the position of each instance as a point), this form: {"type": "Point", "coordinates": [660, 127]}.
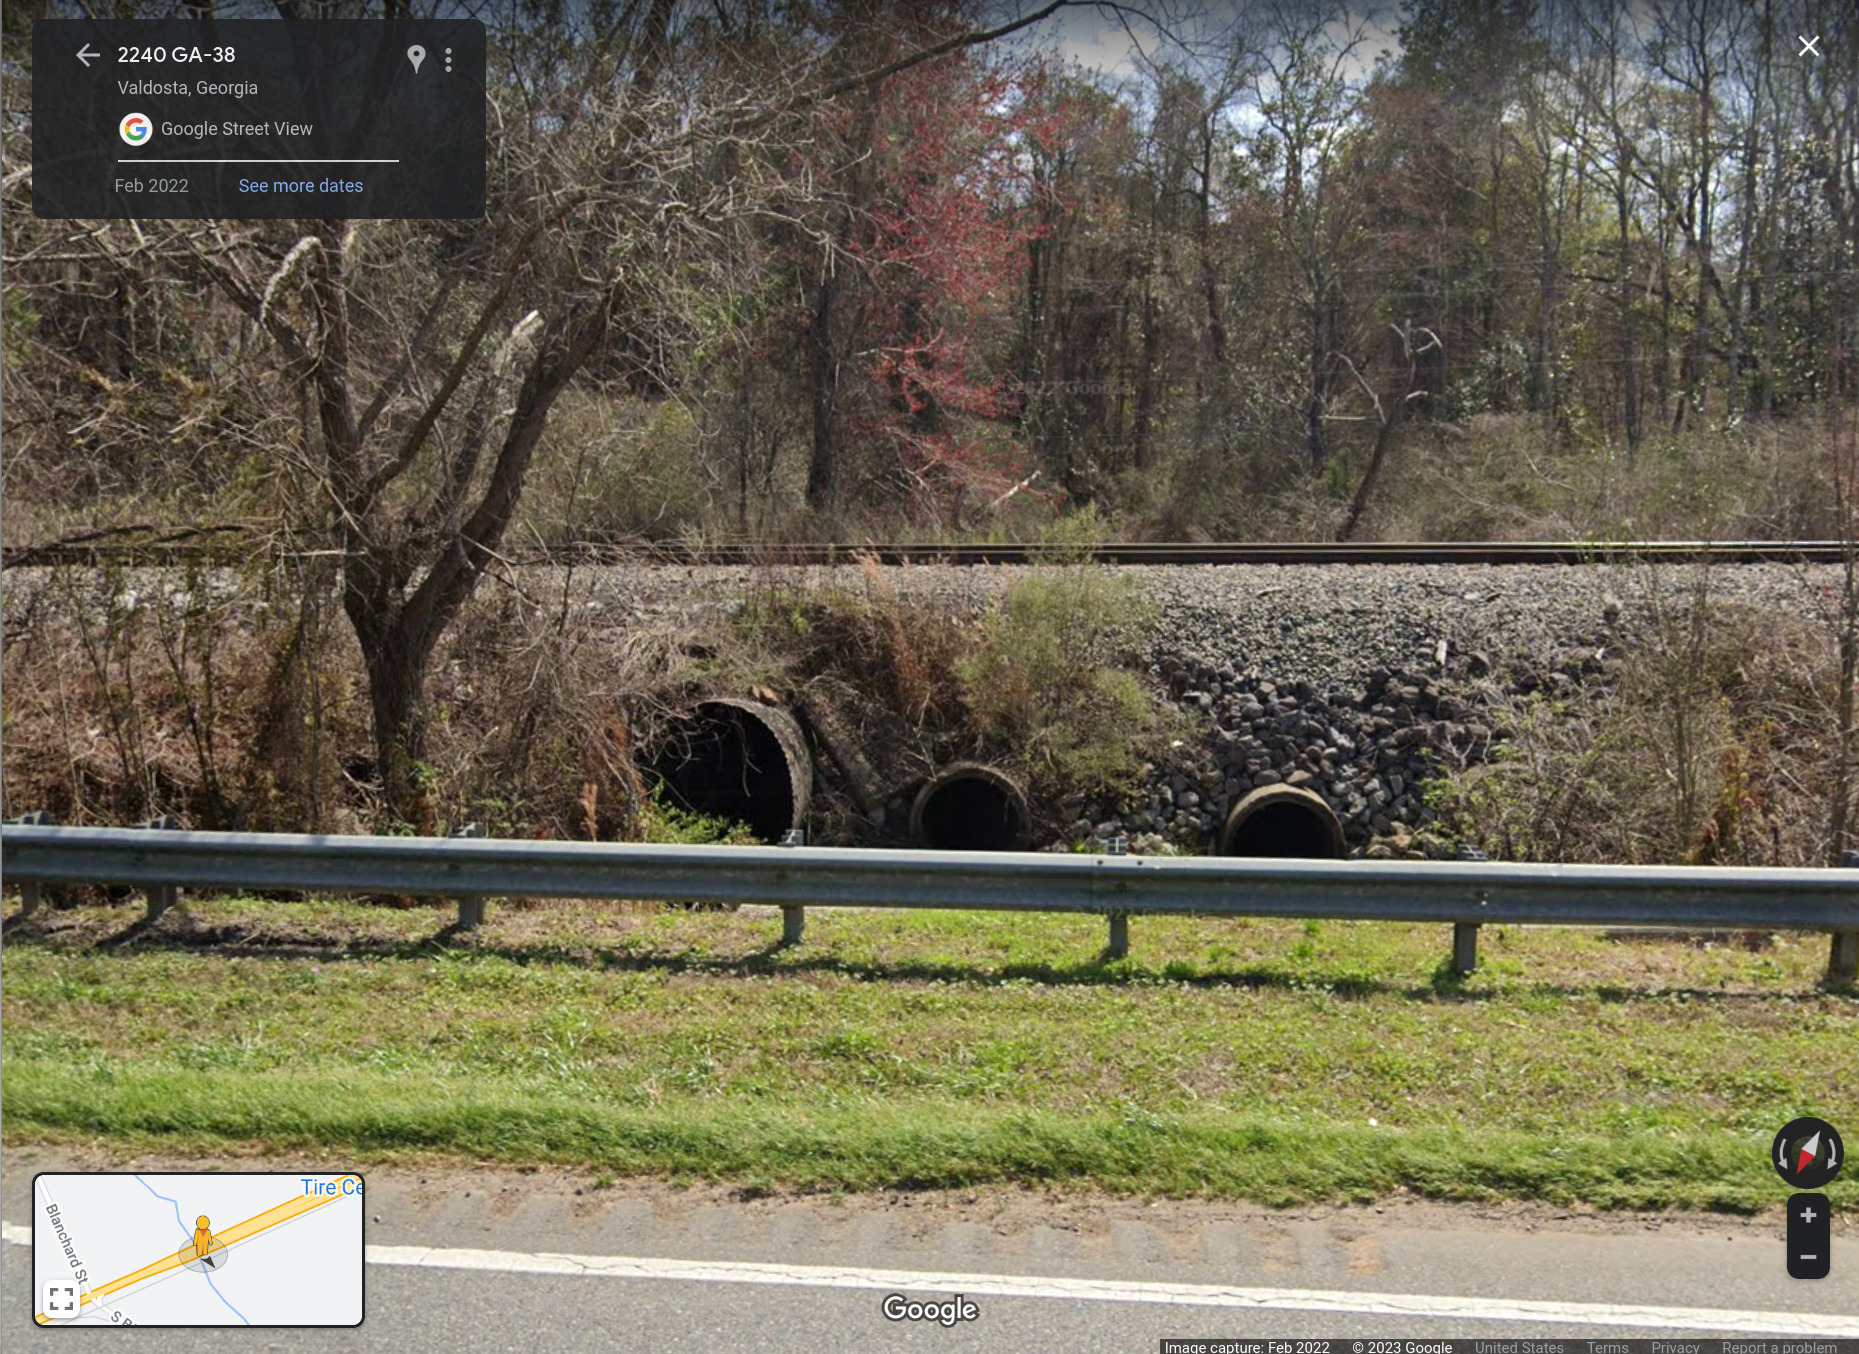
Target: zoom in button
{"type": "Point", "coordinates": [1810, 1236]}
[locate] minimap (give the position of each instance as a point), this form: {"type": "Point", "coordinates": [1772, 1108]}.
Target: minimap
{"type": "Point", "coordinates": [148, 1249]}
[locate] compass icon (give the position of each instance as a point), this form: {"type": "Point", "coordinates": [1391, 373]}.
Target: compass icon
{"type": "Point", "coordinates": [1807, 1153]}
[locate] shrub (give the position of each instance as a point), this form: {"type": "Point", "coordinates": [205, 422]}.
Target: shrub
{"type": "Point", "coordinates": [616, 470]}
{"type": "Point", "coordinates": [1043, 685]}
{"type": "Point", "coordinates": [670, 825]}
{"type": "Point", "coordinates": [1707, 743]}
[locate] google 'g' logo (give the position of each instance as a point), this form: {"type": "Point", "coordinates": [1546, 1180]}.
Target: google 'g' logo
{"type": "Point", "coordinates": [135, 129]}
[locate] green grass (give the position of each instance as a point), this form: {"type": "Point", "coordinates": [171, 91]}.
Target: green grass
{"type": "Point", "coordinates": [1275, 1061]}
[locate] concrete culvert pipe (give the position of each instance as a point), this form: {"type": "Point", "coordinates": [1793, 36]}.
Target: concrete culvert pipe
{"type": "Point", "coordinates": [970, 807]}
{"type": "Point", "coordinates": [740, 760]}
{"type": "Point", "coordinates": [1284, 822]}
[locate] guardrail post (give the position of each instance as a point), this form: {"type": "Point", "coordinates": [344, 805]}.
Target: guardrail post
{"type": "Point", "coordinates": [1843, 960]}
{"type": "Point", "coordinates": [1119, 946]}
{"type": "Point", "coordinates": [793, 917]}
{"type": "Point", "coordinates": [470, 905]}
{"type": "Point", "coordinates": [1119, 943]}
{"type": "Point", "coordinates": [1464, 947]}
{"type": "Point", "coordinates": [30, 895]}
{"type": "Point", "coordinates": [162, 896]}
{"type": "Point", "coordinates": [1465, 933]}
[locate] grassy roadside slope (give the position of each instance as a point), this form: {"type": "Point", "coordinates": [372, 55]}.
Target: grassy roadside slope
{"type": "Point", "coordinates": [1275, 1061]}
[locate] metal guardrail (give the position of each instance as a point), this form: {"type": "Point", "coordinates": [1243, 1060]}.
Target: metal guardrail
{"type": "Point", "coordinates": [1464, 894]}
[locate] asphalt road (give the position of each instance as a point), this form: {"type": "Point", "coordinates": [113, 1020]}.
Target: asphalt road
{"type": "Point", "coordinates": [463, 1261]}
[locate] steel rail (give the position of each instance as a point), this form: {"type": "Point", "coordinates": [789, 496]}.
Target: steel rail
{"type": "Point", "coordinates": [1137, 553]}
{"type": "Point", "coordinates": [1463, 894]}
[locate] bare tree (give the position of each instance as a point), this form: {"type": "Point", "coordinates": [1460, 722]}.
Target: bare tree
{"type": "Point", "coordinates": [1309, 94]}
{"type": "Point", "coordinates": [619, 185]}
{"type": "Point", "coordinates": [1411, 342]}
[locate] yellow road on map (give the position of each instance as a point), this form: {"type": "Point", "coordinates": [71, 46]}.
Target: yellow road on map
{"type": "Point", "coordinates": [251, 1227]}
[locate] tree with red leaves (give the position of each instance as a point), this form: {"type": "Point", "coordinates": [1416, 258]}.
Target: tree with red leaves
{"type": "Point", "coordinates": [907, 316]}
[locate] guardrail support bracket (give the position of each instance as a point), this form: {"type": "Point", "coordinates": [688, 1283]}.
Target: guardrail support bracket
{"type": "Point", "coordinates": [1843, 962]}
{"type": "Point", "coordinates": [793, 916]}
{"type": "Point", "coordinates": [470, 905]}
{"type": "Point", "coordinates": [1464, 947]}
{"type": "Point", "coordinates": [29, 894]}
{"type": "Point", "coordinates": [162, 896]}
{"type": "Point", "coordinates": [1119, 946]}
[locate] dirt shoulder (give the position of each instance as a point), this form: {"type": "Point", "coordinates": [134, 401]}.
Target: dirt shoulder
{"type": "Point", "coordinates": [414, 1187]}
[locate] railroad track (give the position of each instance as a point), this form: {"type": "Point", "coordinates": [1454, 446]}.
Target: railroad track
{"type": "Point", "coordinates": [224, 550]}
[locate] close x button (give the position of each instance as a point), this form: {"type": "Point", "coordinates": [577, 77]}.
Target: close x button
{"type": "Point", "coordinates": [1810, 1236]}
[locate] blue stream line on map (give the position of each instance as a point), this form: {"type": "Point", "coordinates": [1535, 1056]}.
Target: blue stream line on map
{"type": "Point", "coordinates": [187, 1235]}
{"type": "Point", "coordinates": [222, 1297]}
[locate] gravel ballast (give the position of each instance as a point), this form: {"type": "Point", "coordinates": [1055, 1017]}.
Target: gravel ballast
{"type": "Point", "coordinates": [1326, 624]}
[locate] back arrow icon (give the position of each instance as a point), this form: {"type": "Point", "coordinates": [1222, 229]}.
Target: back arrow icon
{"type": "Point", "coordinates": [87, 56]}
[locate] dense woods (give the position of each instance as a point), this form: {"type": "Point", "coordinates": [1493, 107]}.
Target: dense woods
{"type": "Point", "coordinates": [1467, 267]}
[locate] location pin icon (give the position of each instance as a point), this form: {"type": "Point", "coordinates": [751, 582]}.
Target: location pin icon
{"type": "Point", "coordinates": [416, 54]}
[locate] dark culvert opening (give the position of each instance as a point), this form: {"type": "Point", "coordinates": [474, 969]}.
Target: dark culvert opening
{"type": "Point", "coordinates": [1282, 822]}
{"type": "Point", "coordinates": [738, 760]}
{"type": "Point", "coordinates": [971, 808]}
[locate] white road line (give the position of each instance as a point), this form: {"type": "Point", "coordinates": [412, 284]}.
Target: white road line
{"type": "Point", "coordinates": [1341, 1302]}
{"type": "Point", "coordinates": [1117, 1290]}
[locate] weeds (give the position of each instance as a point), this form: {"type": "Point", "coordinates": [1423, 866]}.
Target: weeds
{"type": "Point", "coordinates": [1044, 684]}
{"type": "Point", "coordinates": [660, 821]}
{"type": "Point", "coordinates": [231, 701]}
{"type": "Point", "coordinates": [1703, 743]}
